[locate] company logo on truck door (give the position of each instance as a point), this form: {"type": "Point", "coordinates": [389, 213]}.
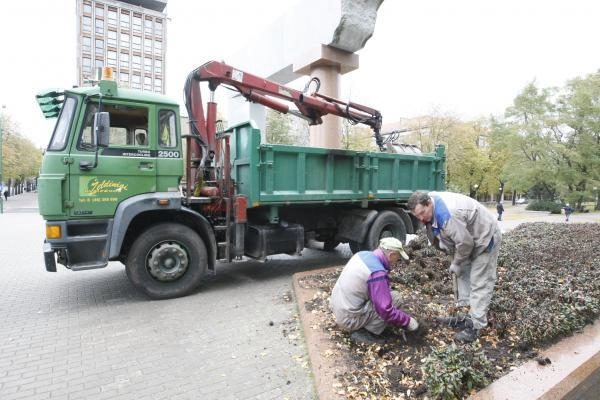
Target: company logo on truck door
{"type": "Point", "coordinates": [94, 186]}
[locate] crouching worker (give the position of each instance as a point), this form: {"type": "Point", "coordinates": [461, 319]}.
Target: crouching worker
{"type": "Point", "coordinates": [361, 300]}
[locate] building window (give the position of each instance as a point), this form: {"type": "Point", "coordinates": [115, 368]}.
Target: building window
{"type": "Point", "coordinates": [99, 63]}
{"type": "Point", "coordinates": [136, 81]}
{"type": "Point", "coordinates": [136, 43]}
{"type": "Point", "coordinates": [148, 45]}
{"type": "Point", "coordinates": [125, 40]}
{"type": "Point", "coordinates": [111, 58]}
{"type": "Point", "coordinates": [158, 66]}
{"type": "Point", "coordinates": [148, 26]}
{"type": "Point", "coordinates": [87, 8]}
{"type": "Point", "coordinates": [112, 16]}
{"type": "Point", "coordinates": [87, 24]}
{"type": "Point", "coordinates": [124, 61]}
{"type": "Point", "coordinates": [124, 78]}
{"type": "Point", "coordinates": [112, 39]}
{"type": "Point", "coordinates": [147, 83]}
{"type": "Point", "coordinates": [99, 27]}
{"type": "Point", "coordinates": [137, 23]}
{"type": "Point", "coordinates": [157, 85]}
{"type": "Point", "coordinates": [148, 65]}
{"type": "Point", "coordinates": [124, 23]}
{"type": "Point", "coordinates": [157, 47]}
{"type": "Point", "coordinates": [86, 66]}
{"type": "Point", "coordinates": [158, 28]}
{"type": "Point", "coordinates": [136, 62]}
{"type": "Point", "coordinates": [99, 47]}
{"type": "Point", "coordinates": [86, 44]}
{"type": "Point", "coordinates": [99, 10]}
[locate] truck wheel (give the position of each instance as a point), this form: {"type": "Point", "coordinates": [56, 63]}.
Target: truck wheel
{"type": "Point", "coordinates": [387, 224]}
{"type": "Point", "coordinates": [167, 260]}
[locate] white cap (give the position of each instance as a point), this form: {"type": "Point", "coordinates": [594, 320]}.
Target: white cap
{"type": "Point", "coordinates": [393, 244]}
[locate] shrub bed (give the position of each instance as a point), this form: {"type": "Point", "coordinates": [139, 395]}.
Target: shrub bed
{"type": "Point", "coordinates": [551, 206]}
{"type": "Point", "coordinates": [548, 287]}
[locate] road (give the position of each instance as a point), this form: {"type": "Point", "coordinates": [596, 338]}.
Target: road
{"type": "Point", "coordinates": [90, 335]}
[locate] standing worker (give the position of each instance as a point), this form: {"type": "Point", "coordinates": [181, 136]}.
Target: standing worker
{"type": "Point", "coordinates": [500, 210]}
{"type": "Point", "coordinates": [464, 228]}
{"type": "Point", "coordinates": [361, 300]}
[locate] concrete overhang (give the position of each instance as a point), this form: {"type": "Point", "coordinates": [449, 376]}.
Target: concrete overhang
{"type": "Point", "coordinates": [324, 55]}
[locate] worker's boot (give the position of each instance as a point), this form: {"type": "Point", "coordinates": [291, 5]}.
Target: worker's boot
{"type": "Point", "coordinates": [363, 336]}
{"type": "Point", "coordinates": [467, 335]}
{"type": "Point", "coordinates": [457, 321]}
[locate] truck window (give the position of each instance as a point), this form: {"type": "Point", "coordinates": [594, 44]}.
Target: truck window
{"type": "Point", "coordinates": [61, 130]}
{"type": "Point", "coordinates": [128, 126]}
{"type": "Point", "coordinates": [167, 129]}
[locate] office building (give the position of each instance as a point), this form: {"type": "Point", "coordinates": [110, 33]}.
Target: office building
{"type": "Point", "coordinates": [129, 36]}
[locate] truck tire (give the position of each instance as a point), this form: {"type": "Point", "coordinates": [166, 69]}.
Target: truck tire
{"type": "Point", "coordinates": [167, 260]}
{"type": "Point", "coordinates": [387, 224]}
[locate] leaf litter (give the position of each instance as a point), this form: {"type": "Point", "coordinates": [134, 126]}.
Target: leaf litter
{"type": "Point", "coordinates": [548, 286]}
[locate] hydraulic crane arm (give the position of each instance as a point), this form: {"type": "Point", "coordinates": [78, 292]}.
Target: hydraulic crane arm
{"type": "Point", "coordinates": [311, 106]}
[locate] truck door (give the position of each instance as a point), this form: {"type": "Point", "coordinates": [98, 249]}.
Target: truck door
{"type": "Point", "coordinates": [125, 168]}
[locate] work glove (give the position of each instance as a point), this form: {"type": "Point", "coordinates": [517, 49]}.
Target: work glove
{"type": "Point", "coordinates": [413, 325]}
{"type": "Point", "coordinates": [455, 269]}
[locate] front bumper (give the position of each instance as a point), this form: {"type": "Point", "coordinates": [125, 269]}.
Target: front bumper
{"type": "Point", "coordinates": [83, 245]}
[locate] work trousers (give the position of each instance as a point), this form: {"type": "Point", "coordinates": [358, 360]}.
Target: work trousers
{"type": "Point", "coordinates": [366, 318]}
{"type": "Point", "coordinates": [476, 283]}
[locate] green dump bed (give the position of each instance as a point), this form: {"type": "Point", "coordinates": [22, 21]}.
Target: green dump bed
{"type": "Point", "coordinates": [270, 174]}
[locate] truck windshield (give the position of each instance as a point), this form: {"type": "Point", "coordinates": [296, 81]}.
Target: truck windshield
{"type": "Point", "coordinates": [61, 130]}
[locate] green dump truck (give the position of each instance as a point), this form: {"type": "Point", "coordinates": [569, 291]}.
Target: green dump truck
{"type": "Point", "coordinates": [119, 182]}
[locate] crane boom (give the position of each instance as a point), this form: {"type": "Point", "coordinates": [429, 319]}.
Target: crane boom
{"type": "Point", "coordinates": [311, 106]}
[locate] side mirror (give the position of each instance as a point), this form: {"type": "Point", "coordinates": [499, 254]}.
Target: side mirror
{"type": "Point", "coordinates": [102, 128]}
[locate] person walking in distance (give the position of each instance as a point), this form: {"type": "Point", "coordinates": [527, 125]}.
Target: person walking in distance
{"type": "Point", "coordinates": [500, 210]}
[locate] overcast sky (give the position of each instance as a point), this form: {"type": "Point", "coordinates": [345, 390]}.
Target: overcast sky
{"type": "Point", "coordinates": [467, 57]}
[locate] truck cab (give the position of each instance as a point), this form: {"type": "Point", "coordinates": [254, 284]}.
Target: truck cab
{"type": "Point", "coordinates": [82, 182]}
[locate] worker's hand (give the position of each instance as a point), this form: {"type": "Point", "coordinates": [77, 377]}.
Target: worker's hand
{"type": "Point", "coordinates": [455, 269]}
{"type": "Point", "coordinates": [413, 325]}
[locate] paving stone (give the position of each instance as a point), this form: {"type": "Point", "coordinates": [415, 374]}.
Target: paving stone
{"type": "Point", "coordinates": [90, 335]}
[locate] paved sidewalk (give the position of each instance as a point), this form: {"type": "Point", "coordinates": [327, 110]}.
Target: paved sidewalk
{"type": "Point", "coordinates": [90, 335]}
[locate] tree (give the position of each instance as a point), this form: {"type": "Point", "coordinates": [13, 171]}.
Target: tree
{"type": "Point", "coordinates": [533, 156]}
{"type": "Point", "coordinates": [278, 129]}
{"type": "Point", "coordinates": [579, 109]}
{"type": "Point", "coordinates": [356, 137]}
{"type": "Point", "coordinates": [21, 159]}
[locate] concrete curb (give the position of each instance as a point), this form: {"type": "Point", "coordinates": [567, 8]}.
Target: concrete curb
{"type": "Point", "coordinates": [324, 369]}
{"type": "Point", "coordinates": [573, 374]}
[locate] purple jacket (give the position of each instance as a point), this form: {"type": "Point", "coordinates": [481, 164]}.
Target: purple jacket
{"type": "Point", "coordinates": [379, 293]}
{"type": "Point", "coordinates": [365, 278]}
